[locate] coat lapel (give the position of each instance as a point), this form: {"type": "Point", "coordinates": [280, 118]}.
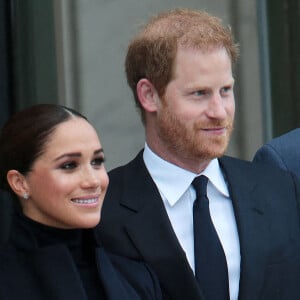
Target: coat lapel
{"type": "Point", "coordinates": [249, 208]}
{"type": "Point", "coordinates": [112, 282]}
{"type": "Point", "coordinates": [156, 240]}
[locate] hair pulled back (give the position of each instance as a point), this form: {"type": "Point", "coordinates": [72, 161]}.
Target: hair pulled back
{"type": "Point", "coordinates": [24, 136]}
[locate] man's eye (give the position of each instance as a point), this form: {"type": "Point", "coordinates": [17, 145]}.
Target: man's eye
{"type": "Point", "coordinates": [200, 93]}
{"type": "Point", "coordinates": [226, 89]}
{"type": "Point", "coordinates": [68, 166]}
{"type": "Point", "coordinates": [97, 161]}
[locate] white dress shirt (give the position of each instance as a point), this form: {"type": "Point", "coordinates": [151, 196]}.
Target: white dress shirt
{"type": "Point", "coordinates": [174, 185]}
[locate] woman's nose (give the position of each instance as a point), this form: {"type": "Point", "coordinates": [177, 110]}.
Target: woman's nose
{"type": "Point", "coordinates": [90, 179]}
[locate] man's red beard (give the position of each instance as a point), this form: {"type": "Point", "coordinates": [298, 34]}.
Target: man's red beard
{"type": "Point", "coordinates": [193, 143]}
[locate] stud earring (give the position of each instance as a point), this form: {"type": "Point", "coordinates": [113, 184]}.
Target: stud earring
{"type": "Point", "coordinates": [25, 196]}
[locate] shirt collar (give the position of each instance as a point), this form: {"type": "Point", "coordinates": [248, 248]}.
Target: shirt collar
{"type": "Point", "coordinates": [173, 181]}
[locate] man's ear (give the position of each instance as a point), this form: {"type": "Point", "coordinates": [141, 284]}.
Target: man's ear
{"type": "Point", "coordinates": [147, 95]}
{"type": "Point", "coordinates": [18, 183]}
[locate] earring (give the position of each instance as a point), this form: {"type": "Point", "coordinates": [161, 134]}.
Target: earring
{"type": "Point", "coordinates": [25, 196]}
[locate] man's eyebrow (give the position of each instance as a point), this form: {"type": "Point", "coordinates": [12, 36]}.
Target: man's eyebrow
{"type": "Point", "coordinates": [98, 151]}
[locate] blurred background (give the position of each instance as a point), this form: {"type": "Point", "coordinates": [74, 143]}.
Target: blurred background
{"type": "Point", "coordinates": [72, 52]}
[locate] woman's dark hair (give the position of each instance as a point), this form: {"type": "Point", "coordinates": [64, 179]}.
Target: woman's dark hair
{"type": "Point", "coordinates": [24, 135]}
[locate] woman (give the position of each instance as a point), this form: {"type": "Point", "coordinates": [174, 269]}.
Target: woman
{"type": "Point", "coordinates": [52, 162]}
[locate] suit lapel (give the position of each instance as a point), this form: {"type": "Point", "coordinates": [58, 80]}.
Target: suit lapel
{"type": "Point", "coordinates": [156, 240]}
{"type": "Point", "coordinates": [249, 209]}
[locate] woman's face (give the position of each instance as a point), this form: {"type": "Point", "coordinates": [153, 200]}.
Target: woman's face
{"type": "Point", "coordinates": [68, 181]}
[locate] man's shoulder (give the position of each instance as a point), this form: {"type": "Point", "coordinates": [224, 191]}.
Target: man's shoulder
{"type": "Point", "coordinates": [283, 145]}
{"type": "Point", "coordinates": [128, 180]}
{"type": "Point", "coordinates": [267, 181]}
{"type": "Point", "coordinates": [282, 152]}
{"type": "Point", "coordinates": [292, 137]}
{"type": "Point", "coordinates": [132, 175]}
{"type": "Point", "coordinates": [134, 164]}
{"type": "Point", "coordinates": [245, 168]}
{"type": "Point", "coordinates": [229, 162]}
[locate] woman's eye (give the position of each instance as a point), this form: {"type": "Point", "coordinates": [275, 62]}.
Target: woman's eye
{"type": "Point", "coordinates": [68, 166]}
{"type": "Point", "coordinates": [98, 161]}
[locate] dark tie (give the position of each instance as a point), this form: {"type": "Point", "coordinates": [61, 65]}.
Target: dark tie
{"type": "Point", "coordinates": [210, 262]}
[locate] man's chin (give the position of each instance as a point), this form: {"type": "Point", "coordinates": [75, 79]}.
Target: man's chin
{"type": "Point", "coordinates": [213, 151]}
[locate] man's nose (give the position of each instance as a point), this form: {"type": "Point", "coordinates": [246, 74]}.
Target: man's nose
{"type": "Point", "coordinates": [216, 107]}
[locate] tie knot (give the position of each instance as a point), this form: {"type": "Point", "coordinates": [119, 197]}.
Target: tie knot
{"type": "Point", "coordinates": [200, 184]}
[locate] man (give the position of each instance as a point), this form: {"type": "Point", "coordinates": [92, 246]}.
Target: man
{"type": "Point", "coordinates": [282, 152]}
{"type": "Point", "coordinates": [179, 68]}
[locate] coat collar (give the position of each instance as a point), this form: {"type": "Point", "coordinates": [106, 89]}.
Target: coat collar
{"type": "Point", "coordinates": [157, 239]}
{"type": "Point", "coordinates": [249, 208]}
{"type": "Point", "coordinates": [113, 283]}
{"type": "Point", "coordinates": [54, 263]}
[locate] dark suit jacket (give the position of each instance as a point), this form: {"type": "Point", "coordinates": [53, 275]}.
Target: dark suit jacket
{"type": "Point", "coordinates": [30, 272]}
{"type": "Point", "coordinates": [283, 152]}
{"type": "Point", "coordinates": [135, 224]}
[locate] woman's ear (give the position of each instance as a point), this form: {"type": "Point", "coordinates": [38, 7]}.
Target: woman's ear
{"type": "Point", "coordinates": [18, 183]}
{"type": "Point", "coordinates": [147, 95]}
